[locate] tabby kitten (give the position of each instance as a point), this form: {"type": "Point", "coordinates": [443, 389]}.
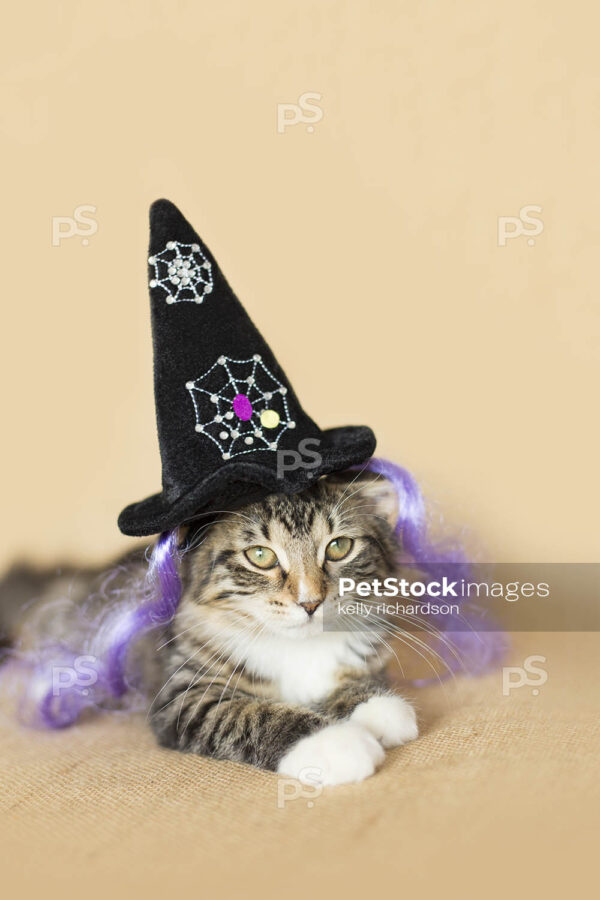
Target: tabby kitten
{"type": "Point", "coordinates": [251, 669]}
{"type": "Point", "coordinates": [249, 672]}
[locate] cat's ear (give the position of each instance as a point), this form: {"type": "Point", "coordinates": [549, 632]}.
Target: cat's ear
{"type": "Point", "coordinates": [187, 536]}
{"type": "Point", "coordinates": [383, 496]}
{"type": "Point", "coordinates": [183, 533]}
{"type": "Point", "coordinates": [373, 493]}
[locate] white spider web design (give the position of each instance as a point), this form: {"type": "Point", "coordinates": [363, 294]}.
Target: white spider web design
{"type": "Point", "coordinates": [183, 272]}
{"type": "Point", "coordinates": [213, 395]}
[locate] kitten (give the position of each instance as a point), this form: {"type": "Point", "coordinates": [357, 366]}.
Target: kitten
{"type": "Point", "coordinates": [251, 669]}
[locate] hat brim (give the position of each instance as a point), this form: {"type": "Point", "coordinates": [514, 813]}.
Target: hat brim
{"type": "Point", "coordinates": [242, 482]}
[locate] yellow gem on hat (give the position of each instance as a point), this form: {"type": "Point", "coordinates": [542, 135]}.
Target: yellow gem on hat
{"type": "Point", "coordinates": [269, 418]}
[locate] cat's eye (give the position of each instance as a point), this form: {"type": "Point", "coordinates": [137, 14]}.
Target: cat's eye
{"type": "Point", "coordinates": [338, 548]}
{"type": "Point", "coordinates": [261, 557]}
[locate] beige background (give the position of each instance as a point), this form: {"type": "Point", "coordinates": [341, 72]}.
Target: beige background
{"type": "Point", "coordinates": [367, 251]}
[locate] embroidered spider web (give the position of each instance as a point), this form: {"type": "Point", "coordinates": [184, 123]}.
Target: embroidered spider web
{"type": "Point", "coordinates": [183, 272]}
{"type": "Point", "coordinates": [240, 406]}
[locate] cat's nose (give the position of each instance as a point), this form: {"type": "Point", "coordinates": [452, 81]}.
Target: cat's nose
{"type": "Point", "coordinates": [311, 606]}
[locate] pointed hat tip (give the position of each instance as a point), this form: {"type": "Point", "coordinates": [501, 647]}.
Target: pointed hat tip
{"type": "Point", "coordinates": [168, 223]}
{"type": "Point", "coordinates": [161, 208]}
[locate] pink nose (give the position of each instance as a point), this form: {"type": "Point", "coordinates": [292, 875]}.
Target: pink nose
{"type": "Point", "coordinates": [311, 605]}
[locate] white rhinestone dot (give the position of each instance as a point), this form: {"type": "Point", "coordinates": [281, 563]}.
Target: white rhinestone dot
{"type": "Point", "coordinates": [283, 390]}
{"type": "Point", "coordinates": [189, 385]}
{"type": "Point", "coordinates": [223, 435]}
{"type": "Point", "coordinates": [198, 299]}
{"type": "Point", "coordinates": [199, 427]}
{"type": "Point", "coordinates": [250, 380]}
{"type": "Point", "coordinates": [153, 282]}
{"type": "Point", "coordinates": [273, 446]}
{"type": "Point", "coordinates": [218, 419]}
{"type": "Point", "coordinates": [221, 360]}
{"type": "Point", "coordinates": [195, 247]}
{"type": "Point", "coordinates": [171, 245]}
{"type": "Point", "coordinates": [249, 440]}
{"type": "Point", "coordinates": [256, 357]}
{"type": "Point", "coordinates": [170, 299]}
{"type": "Point", "coordinates": [227, 456]}
{"type": "Point", "coordinates": [229, 415]}
{"type": "Point", "coordinates": [151, 260]}
{"type": "Point", "coordinates": [235, 434]}
{"type": "Point", "coordinates": [214, 398]}
{"type": "Point", "coordinates": [268, 395]}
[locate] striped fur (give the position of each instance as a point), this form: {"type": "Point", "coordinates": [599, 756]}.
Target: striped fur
{"type": "Point", "coordinates": [247, 671]}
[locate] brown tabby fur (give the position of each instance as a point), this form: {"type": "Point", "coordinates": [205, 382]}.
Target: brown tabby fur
{"type": "Point", "coordinates": [210, 694]}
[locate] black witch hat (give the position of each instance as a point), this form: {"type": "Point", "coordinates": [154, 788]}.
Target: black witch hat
{"type": "Point", "coordinates": [230, 427]}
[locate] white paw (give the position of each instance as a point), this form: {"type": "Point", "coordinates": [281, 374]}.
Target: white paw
{"type": "Point", "coordinates": [390, 719]}
{"type": "Point", "coordinates": [338, 754]}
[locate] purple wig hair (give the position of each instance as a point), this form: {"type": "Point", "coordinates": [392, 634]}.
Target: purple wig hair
{"type": "Point", "coordinates": [470, 648]}
{"type": "Point", "coordinates": [101, 658]}
{"type": "Point", "coordinates": [104, 655]}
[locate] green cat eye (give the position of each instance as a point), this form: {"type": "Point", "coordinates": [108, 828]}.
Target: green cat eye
{"type": "Point", "coordinates": [261, 557]}
{"type": "Point", "coordinates": [338, 548]}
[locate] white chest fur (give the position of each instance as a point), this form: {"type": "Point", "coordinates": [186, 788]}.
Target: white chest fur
{"type": "Point", "coordinates": [303, 671]}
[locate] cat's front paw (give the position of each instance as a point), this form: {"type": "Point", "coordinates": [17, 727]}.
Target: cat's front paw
{"type": "Point", "coordinates": [337, 754]}
{"type": "Point", "coordinates": [390, 719]}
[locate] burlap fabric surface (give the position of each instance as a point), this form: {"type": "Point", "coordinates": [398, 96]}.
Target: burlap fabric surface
{"type": "Point", "coordinates": [499, 797]}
